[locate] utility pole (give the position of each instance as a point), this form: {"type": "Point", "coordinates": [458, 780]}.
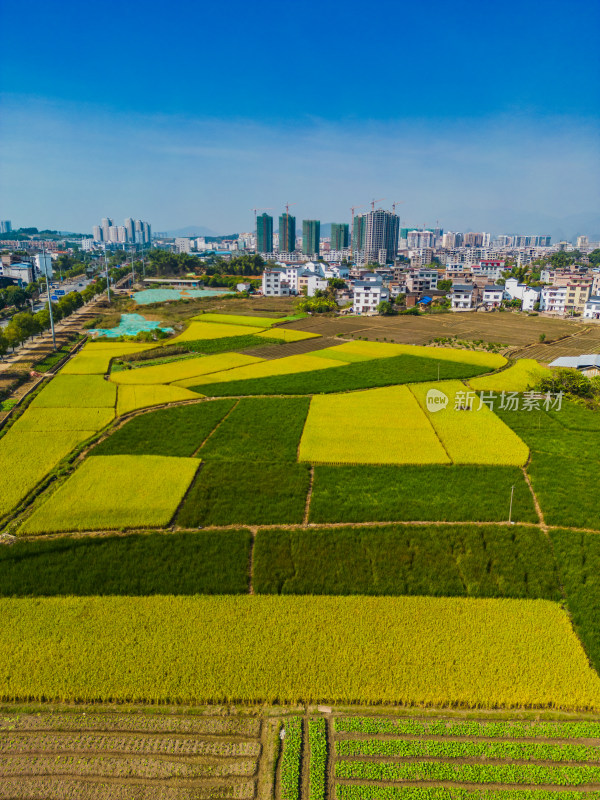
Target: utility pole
{"type": "Point", "coordinates": [49, 300]}
{"type": "Point", "coordinates": [107, 276]}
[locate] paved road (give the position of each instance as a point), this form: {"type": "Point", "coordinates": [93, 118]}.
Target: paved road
{"type": "Point", "coordinates": [66, 286]}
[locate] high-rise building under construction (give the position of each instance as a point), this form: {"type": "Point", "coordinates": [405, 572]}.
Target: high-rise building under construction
{"type": "Point", "coordinates": [264, 234]}
{"type": "Point", "coordinates": [377, 231]}
{"type": "Point", "coordinates": [340, 235]}
{"type": "Point", "coordinates": [311, 236]}
{"type": "Point", "coordinates": [287, 233]}
{"type": "Point", "coordinates": [359, 228]}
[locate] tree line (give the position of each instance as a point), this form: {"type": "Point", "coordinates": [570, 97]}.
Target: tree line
{"type": "Point", "coordinates": [25, 325]}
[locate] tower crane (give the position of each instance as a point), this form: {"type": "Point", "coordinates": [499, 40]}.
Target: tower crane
{"type": "Point", "coordinates": [397, 203]}
{"type": "Point", "coordinates": [376, 201]}
{"type": "Point", "coordinates": [255, 213]}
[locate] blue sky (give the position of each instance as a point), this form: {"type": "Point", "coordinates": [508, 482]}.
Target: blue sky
{"type": "Point", "coordinates": [481, 115]}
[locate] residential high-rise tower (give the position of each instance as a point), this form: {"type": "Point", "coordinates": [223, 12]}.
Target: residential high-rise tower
{"type": "Point", "coordinates": [340, 235]}
{"type": "Point", "coordinates": [264, 233]}
{"type": "Point", "coordinates": [311, 236]}
{"type": "Point", "coordinates": [381, 236]}
{"type": "Point", "coordinates": [287, 233]}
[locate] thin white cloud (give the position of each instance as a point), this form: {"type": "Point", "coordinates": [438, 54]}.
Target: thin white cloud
{"type": "Point", "coordinates": [65, 167]}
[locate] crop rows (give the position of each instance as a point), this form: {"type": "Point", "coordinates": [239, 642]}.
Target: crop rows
{"type": "Point", "coordinates": [351, 791]}
{"type": "Point", "coordinates": [143, 745]}
{"type": "Point", "coordinates": [291, 761]}
{"type": "Point", "coordinates": [131, 767]}
{"type": "Point", "coordinates": [531, 774]}
{"type": "Point", "coordinates": [317, 739]}
{"type": "Point", "coordinates": [46, 788]}
{"type": "Point", "coordinates": [505, 730]}
{"type": "Point", "coordinates": [410, 748]}
{"type": "Point", "coordinates": [124, 722]}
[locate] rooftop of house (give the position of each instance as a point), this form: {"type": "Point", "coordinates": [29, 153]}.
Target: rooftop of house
{"type": "Point", "coordinates": [463, 287]}
{"type": "Point", "coordinates": [577, 362]}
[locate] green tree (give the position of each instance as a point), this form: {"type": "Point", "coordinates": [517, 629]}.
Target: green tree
{"type": "Point", "coordinates": [14, 334]}
{"type": "Point", "coordinates": [26, 323]}
{"type": "Point", "coordinates": [594, 258]}
{"type": "Point", "coordinates": [444, 285]}
{"type": "Point", "coordinates": [3, 345]}
{"type": "Point", "coordinates": [387, 309]}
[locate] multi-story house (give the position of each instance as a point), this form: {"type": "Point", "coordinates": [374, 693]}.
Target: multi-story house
{"type": "Point", "coordinates": [462, 297]}
{"type": "Point", "coordinates": [592, 308]}
{"type": "Point", "coordinates": [367, 296]}
{"type": "Point", "coordinates": [422, 280]}
{"type": "Point", "coordinates": [274, 283]}
{"type": "Point", "coordinates": [553, 299]}
{"type": "Point", "coordinates": [492, 296]}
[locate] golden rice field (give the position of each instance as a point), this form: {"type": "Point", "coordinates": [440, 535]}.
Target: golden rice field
{"type": "Point", "coordinates": [387, 350]}
{"type": "Point", "coordinates": [50, 420]}
{"type": "Point", "coordinates": [238, 319]}
{"type": "Point", "coordinates": [26, 458]}
{"type": "Point", "coordinates": [519, 377]}
{"type": "Point", "coordinates": [264, 369]}
{"type": "Point", "coordinates": [475, 436]}
{"type": "Point", "coordinates": [288, 334]}
{"type": "Point", "coordinates": [377, 426]}
{"type": "Point", "coordinates": [409, 650]}
{"type": "Point", "coordinates": [112, 492]}
{"type": "Point", "coordinates": [130, 398]}
{"type": "Point", "coordinates": [94, 359]}
{"type": "Point", "coordinates": [212, 330]}
{"type": "Point", "coordinates": [182, 370]}
{"type": "Point", "coordinates": [76, 391]}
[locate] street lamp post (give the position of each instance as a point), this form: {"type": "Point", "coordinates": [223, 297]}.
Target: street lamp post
{"type": "Point", "coordinates": [49, 300]}
{"type": "Point", "coordinates": [512, 491]}
{"type": "Point", "coordinates": [107, 276]}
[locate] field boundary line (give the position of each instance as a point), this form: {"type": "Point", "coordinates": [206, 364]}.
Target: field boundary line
{"type": "Point", "coordinates": [185, 494]}
{"type": "Point", "coordinates": [253, 531]}
{"type": "Point", "coordinates": [283, 526]}
{"type": "Point", "coordinates": [309, 496]}
{"type": "Point", "coordinates": [215, 429]}
{"type": "Point", "coordinates": [538, 508]}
